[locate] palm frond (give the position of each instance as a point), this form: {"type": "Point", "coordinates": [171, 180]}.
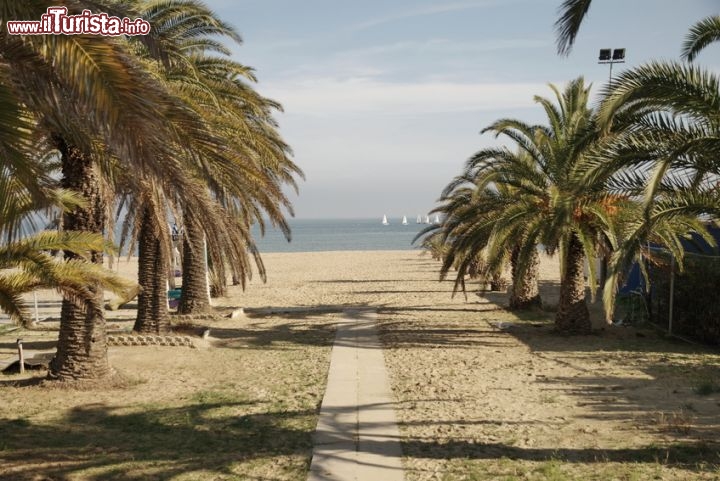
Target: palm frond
{"type": "Point", "coordinates": [702, 34]}
{"type": "Point", "coordinates": [572, 13]}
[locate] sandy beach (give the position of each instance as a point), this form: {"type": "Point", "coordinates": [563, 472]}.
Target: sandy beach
{"type": "Point", "coordinates": [481, 393]}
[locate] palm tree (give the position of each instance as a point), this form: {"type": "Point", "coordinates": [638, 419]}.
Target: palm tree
{"type": "Point", "coordinates": [246, 179]}
{"type": "Point", "coordinates": [100, 107]}
{"type": "Point", "coordinates": [469, 213]}
{"type": "Point", "coordinates": [26, 262]}
{"type": "Point", "coordinates": [573, 12]}
{"type": "Point", "coordinates": [253, 189]}
{"type": "Point", "coordinates": [665, 150]}
{"type": "Point", "coordinates": [26, 265]}
{"type": "Point", "coordinates": [556, 203]}
{"type": "Point", "coordinates": [30, 253]}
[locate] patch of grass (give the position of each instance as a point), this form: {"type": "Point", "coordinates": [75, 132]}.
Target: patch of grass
{"type": "Point", "coordinates": [706, 387]}
{"type": "Point", "coordinates": [202, 415]}
{"type": "Point", "coordinates": [675, 421]}
{"type": "Point", "coordinates": [548, 398]}
{"type": "Point", "coordinates": [214, 397]}
{"type": "Point", "coordinates": [556, 469]}
{"type": "Point", "coordinates": [551, 471]}
{"type": "Point", "coordinates": [6, 328]}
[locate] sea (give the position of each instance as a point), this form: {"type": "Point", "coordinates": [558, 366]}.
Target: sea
{"type": "Point", "coordinates": [316, 235]}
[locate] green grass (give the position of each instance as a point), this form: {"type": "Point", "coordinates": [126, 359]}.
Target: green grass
{"type": "Point", "coordinates": [505, 469]}
{"type": "Point", "coordinates": [706, 387]}
{"type": "Point", "coordinates": [7, 328]}
{"type": "Point", "coordinates": [205, 414]}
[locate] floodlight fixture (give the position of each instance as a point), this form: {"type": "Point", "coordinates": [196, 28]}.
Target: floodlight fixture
{"type": "Point", "coordinates": [611, 56]}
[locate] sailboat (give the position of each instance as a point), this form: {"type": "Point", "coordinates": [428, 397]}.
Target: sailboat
{"type": "Point", "coordinates": [437, 219]}
{"type": "Point", "coordinates": [385, 221]}
{"type": "Point", "coordinates": [427, 219]}
{"type": "Point", "coordinates": [419, 219]}
{"type": "Point", "coordinates": [404, 222]}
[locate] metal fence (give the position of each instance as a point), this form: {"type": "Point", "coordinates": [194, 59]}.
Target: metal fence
{"type": "Point", "coordinates": [686, 302]}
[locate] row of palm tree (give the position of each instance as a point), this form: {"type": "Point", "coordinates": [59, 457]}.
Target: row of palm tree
{"type": "Point", "coordinates": [153, 126]}
{"type": "Point", "coordinates": [591, 183]}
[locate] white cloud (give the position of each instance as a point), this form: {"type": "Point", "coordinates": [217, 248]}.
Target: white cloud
{"type": "Point", "coordinates": [331, 96]}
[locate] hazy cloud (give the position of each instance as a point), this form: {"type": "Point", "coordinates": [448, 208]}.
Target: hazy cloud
{"type": "Point", "coordinates": [447, 47]}
{"type": "Point", "coordinates": [331, 96]}
{"type": "Point", "coordinates": [425, 11]}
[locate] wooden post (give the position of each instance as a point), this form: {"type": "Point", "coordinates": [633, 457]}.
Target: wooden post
{"type": "Point", "coordinates": [207, 271]}
{"type": "Point", "coordinates": [37, 314]}
{"type": "Point", "coordinates": [21, 357]}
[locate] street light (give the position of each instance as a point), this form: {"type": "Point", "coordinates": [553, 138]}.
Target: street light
{"type": "Point", "coordinates": [611, 56]}
{"type": "Point", "coordinates": [606, 56]}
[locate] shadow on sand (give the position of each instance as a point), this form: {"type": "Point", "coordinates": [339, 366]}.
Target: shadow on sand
{"type": "Point", "coordinates": [152, 443]}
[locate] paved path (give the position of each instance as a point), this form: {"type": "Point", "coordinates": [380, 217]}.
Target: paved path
{"type": "Point", "coordinates": [357, 438]}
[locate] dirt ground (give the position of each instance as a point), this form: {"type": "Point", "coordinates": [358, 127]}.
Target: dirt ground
{"type": "Point", "coordinates": [482, 394]}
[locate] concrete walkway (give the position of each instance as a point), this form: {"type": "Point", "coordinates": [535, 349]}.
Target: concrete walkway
{"type": "Point", "coordinates": [357, 438]}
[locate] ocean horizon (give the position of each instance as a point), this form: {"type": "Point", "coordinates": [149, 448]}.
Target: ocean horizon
{"type": "Point", "coordinates": [317, 235]}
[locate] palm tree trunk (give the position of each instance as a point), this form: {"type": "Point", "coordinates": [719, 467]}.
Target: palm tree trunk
{"type": "Point", "coordinates": [572, 314]}
{"type": "Point", "coordinates": [497, 283]}
{"type": "Point", "coordinates": [152, 315]}
{"type": "Point", "coordinates": [82, 343]}
{"type": "Point", "coordinates": [524, 293]}
{"type": "Point", "coordinates": [218, 280]}
{"type": "Point", "coordinates": [194, 298]}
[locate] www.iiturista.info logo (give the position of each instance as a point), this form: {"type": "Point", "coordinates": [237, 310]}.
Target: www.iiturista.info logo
{"type": "Point", "coordinates": [57, 22]}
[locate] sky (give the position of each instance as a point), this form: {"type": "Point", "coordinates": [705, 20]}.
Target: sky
{"type": "Point", "coordinates": [384, 101]}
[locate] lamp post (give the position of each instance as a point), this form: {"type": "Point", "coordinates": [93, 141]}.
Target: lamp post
{"type": "Point", "coordinates": [611, 56]}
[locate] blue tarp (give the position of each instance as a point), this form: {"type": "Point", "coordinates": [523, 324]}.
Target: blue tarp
{"type": "Point", "coordinates": [696, 244]}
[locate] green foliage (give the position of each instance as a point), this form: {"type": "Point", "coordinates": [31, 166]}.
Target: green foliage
{"type": "Point", "coordinates": [26, 265]}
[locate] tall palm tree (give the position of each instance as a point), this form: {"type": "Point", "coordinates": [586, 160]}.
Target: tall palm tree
{"type": "Point", "coordinates": [178, 29]}
{"type": "Point", "coordinates": [556, 204]}
{"type": "Point", "coordinates": [665, 149]}
{"type": "Point", "coordinates": [100, 106]}
{"type": "Point", "coordinates": [246, 180]}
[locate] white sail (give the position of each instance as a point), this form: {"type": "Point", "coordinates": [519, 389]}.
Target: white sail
{"type": "Point", "coordinates": [427, 219]}
{"type": "Point", "coordinates": [419, 219]}
{"type": "Point", "coordinates": [385, 221]}
{"type": "Point", "coordinates": [437, 219]}
{"type": "Point", "coordinates": [404, 220]}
